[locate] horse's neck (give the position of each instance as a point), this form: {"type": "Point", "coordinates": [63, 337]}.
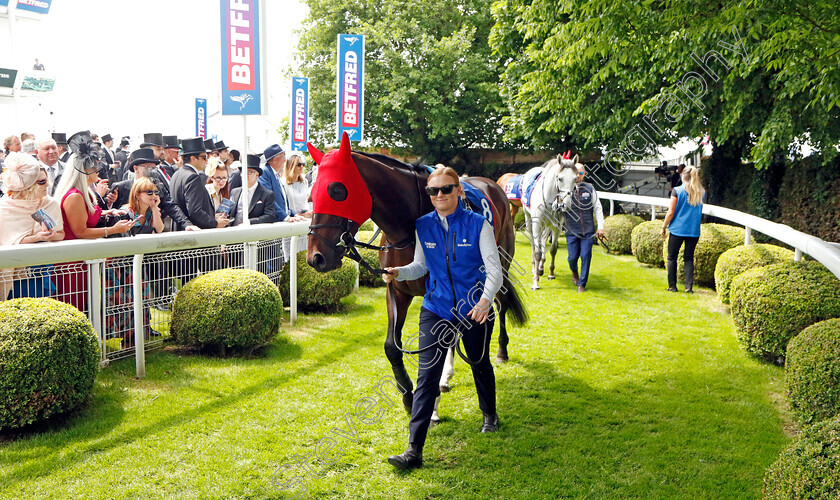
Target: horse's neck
{"type": "Point", "coordinates": [396, 199]}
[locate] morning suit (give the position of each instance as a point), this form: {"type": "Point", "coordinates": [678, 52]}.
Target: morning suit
{"type": "Point", "coordinates": [189, 193]}
{"type": "Point", "coordinates": [261, 210]}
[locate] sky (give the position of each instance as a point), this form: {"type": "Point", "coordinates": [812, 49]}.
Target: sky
{"type": "Point", "coordinates": [136, 66]}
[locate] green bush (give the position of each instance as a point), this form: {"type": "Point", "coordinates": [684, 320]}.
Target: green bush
{"type": "Point", "coordinates": [772, 304]}
{"type": "Point", "coordinates": [646, 243]}
{"type": "Point", "coordinates": [48, 360]}
{"type": "Point", "coordinates": [737, 260]}
{"type": "Point", "coordinates": [714, 240]}
{"type": "Point", "coordinates": [812, 371]}
{"type": "Point", "coordinates": [320, 292]}
{"type": "Point", "coordinates": [809, 467]}
{"type": "Point", "coordinates": [617, 230]}
{"type": "Point", "coordinates": [228, 309]}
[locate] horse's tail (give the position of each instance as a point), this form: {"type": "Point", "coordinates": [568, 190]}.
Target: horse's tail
{"type": "Point", "coordinates": [515, 306]}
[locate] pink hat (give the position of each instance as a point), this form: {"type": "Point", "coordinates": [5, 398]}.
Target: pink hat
{"type": "Point", "coordinates": [20, 172]}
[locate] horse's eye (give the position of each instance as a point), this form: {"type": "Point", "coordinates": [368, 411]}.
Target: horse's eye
{"type": "Point", "coordinates": [337, 191]}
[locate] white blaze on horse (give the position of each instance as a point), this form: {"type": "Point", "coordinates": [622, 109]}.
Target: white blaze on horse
{"type": "Point", "coordinates": [545, 207]}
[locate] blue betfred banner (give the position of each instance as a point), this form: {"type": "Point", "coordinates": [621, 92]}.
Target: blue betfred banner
{"type": "Point", "coordinates": [350, 86]}
{"type": "Point", "coordinates": [4, 3]}
{"type": "Point", "coordinates": [201, 118]}
{"type": "Point", "coordinates": [241, 92]}
{"type": "Point", "coordinates": [39, 6]}
{"type": "Point", "coordinates": [300, 113]}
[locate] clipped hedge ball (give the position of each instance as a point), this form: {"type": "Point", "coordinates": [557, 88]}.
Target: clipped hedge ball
{"type": "Point", "coordinates": [809, 467]}
{"type": "Point", "coordinates": [773, 304]}
{"type": "Point", "coordinates": [231, 309]}
{"type": "Point", "coordinates": [812, 371]}
{"type": "Point", "coordinates": [320, 292]}
{"type": "Point", "coordinates": [617, 231]}
{"type": "Point", "coordinates": [714, 240]}
{"type": "Point", "coordinates": [736, 260]}
{"type": "Point", "coordinates": [49, 358]}
{"type": "Point", "coordinates": [646, 243]}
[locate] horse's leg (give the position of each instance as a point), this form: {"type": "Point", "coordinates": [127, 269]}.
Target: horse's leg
{"type": "Point", "coordinates": [536, 235]}
{"type": "Point", "coordinates": [555, 236]}
{"type": "Point", "coordinates": [394, 355]}
{"type": "Point", "coordinates": [502, 355]}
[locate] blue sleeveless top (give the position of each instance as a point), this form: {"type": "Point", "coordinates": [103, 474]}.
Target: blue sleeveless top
{"type": "Point", "coordinates": [686, 221]}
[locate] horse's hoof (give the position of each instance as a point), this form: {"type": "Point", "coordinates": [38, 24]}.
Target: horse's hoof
{"type": "Point", "coordinates": [501, 359]}
{"type": "Point", "coordinates": [408, 401]}
{"type": "Point", "coordinates": [551, 276]}
{"type": "Point", "coordinates": [535, 287]}
{"type": "Point", "coordinates": [444, 388]}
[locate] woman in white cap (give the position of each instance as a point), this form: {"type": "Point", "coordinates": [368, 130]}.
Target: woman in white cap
{"type": "Point", "coordinates": [26, 184]}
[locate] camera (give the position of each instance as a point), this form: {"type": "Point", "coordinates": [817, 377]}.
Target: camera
{"type": "Point", "coordinates": [663, 170]}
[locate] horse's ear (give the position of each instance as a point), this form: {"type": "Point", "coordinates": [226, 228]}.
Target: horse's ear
{"type": "Point", "coordinates": [575, 160]}
{"type": "Point", "coordinates": [344, 149]}
{"type": "Point", "coordinates": [561, 157]}
{"type": "Point", "coordinates": [313, 151]}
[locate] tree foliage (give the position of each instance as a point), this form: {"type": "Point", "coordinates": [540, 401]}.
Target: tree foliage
{"type": "Point", "coordinates": [431, 82]}
{"type": "Point", "coordinates": [629, 75]}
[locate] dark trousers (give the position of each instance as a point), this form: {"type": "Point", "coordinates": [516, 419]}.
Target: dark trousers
{"type": "Point", "coordinates": [580, 248]}
{"type": "Point", "coordinates": [674, 244]}
{"type": "Point", "coordinates": [477, 349]}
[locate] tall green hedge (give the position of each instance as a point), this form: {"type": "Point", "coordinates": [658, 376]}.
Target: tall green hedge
{"type": "Point", "coordinates": [773, 304]}
{"type": "Point", "coordinates": [812, 371]}
{"type": "Point", "coordinates": [320, 292]}
{"type": "Point", "coordinates": [617, 231]}
{"type": "Point", "coordinates": [714, 240]}
{"type": "Point", "coordinates": [230, 309]}
{"type": "Point", "coordinates": [49, 358]}
{"type": "Point", "coordinates": [741, 258]}
{"type": "Point", "coordinates": [646, 243]}
{"type": "Point", "coordinates": [809, 467]}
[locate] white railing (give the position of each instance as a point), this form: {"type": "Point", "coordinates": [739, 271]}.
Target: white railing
{"type": "Point", "coordinates": [827, 253]}
{"type": "Point", "coordinates": [91, 255]}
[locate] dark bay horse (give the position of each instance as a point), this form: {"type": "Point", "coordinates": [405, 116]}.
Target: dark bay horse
{"type": "Point", "coordinates": [352, 187]}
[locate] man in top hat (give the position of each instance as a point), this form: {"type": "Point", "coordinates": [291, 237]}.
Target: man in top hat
{"type": "Point", "coordinates": [110, 168]}
{"type": "Point", "coordinates": [261, 200]}
{"type": "Point", "coordinates": [210, 147]}
{"type": "Point", "coordinates": [188, 190]}
{"type": "Point", "coordinates": [171, 150]}
{"type": "Point", "coordinates": [121, 157]}
{"type": "Point", "coordinates": [154, 141]}
{"type": "Point", "coordinates": [224, 152]}
{"type": "Point", "coordinates": [63, 148]}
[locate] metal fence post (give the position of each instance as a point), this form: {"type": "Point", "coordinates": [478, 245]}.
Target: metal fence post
{"type": "Point", "coordinates": [293, 282]}
{"type": "Point", "coordinates": [797, 256]}
{"type": "Point", "coordinates": [94, 298]}
{"type": "Point", "coordinates": [612, 208]}
{"type": "Point", "coordinates": [139, 330]}
{"type": "Point", "coordinates": [747, 235]}
{"type": "Point", "coordinates": [653, 212]}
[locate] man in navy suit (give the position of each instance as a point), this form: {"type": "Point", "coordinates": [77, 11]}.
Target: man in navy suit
{"type": "Point", "coordinates": [261, 200]}
{"type": "Point", "coordinates": [272, 179]}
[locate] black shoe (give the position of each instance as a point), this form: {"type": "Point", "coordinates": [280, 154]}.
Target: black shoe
{"type": "Point", "coordinates": [412, 458]}
{"type": "Point", "coordinates": [491, 423]}
{"type": "Point", "coordinates": [671, 289]}
{"type": "Point", "coordinates": [154, 333]}
{"type": "Point", "coordinates": [688, 290]}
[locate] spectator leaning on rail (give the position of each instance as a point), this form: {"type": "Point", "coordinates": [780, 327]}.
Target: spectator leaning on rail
{"type": "Point", "coordinates": [583, 221]}
{"type": "Point", "coordinates": [26, 184]}
{"type": "Point", "coordinates": [458, 251]}
{"type": "Point", "coordinates": [188, 190]}
{"type": "Point", "coordinates": [217, 181]}
{"type": "Point", "coordinates": [683, 224]}
{"type": "Point", "coordinates": [261, 200]}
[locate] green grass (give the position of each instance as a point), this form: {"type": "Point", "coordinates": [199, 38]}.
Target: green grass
{"type": "Point", "coordinates": [623, 391]}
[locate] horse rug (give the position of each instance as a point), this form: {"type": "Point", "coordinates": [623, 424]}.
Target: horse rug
{"type": "Point", "coordinates": [512, 190]}
{"type": "Point", "coordinates": [529, 181]}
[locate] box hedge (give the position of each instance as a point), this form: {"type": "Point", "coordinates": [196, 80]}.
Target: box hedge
{"type": "Point", "coordinates": [773, 304]}
{"type": "Point", "coordinates": [809, 467]}
{"type": "Point", "coordinates": [230, 309]}
{"type": "Point", "coordinates": [49, 357]}
{"type": "Point", "coordinates": [617, 232]}
{"type": "Point", "coordinates": [646, 243]}
{"type": "Point", "coordinates": [714, 240]}
{"type": "Point", "coordinates": [320, 292]}
{"type": "Point", "coordinates": [741, 258]}
{"type": "Point", "coordinates": [812, 371]}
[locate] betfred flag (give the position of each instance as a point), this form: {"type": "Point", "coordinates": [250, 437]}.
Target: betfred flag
{"type": "Point", "coordinates": [350, 86]}
{"type": "Point", "coordinates": [201, 118]}
{"type": "Point", "coordinates": [300, 113]}
{"type": "Point", "coordinates": [241, 91]}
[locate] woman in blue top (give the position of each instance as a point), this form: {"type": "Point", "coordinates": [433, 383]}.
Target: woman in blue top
{"type": "Point", "coordinates": [683, 223]}
{"type": "Point", "coordinates": [457, 249]}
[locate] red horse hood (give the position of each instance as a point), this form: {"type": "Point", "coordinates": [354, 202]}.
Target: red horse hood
{"type": "Point", "coordinates": [339, 188]}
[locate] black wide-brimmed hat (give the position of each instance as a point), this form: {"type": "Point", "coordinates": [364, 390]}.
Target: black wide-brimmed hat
{"type": "Point", "coordinates": [192, 146]}
{"type": "Point", "coordinates": [170, 142]}
{"type": "Point", "coordinates": [106, 138]}
{"type": "Point", "coordinates": [209, 145]}
{"type": "Point", "coordinates": [60, 138]}
{"type": "Point", "coordinates": [152, 140]}
{"type": "Point", "coordinates": [141, 156]}
{"type": "Point", "coordinates": [220, 146]}
{"type": "Point", "coordinates": [254, 163]}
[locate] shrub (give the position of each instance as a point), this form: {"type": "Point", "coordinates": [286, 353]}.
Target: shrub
{"type": "Point", "coordinates": [809, 467]}
{"type": "Point", "coordinates": [48, 360]}
{"type": "Point", "coordinates": [236, 309]}
{"type": "Point", "coordinates": [812, 371]}
{"type": "Point", "coordinates": [320, 292]}
{"type": "Point", "coordinates": [646, 243]}
{"type": "Point", "coordinates": [737, 260]}
{"type": "Point", "coordinates": [772, 304]}
{"type": "Point", "coordinates": [617, 230]}
{"type": "Point", "coordinates": [714, 240]}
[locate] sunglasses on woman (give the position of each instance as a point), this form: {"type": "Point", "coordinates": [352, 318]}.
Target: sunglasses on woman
{"type": "Point", "coordinates": [41, 182]}
{"type": "Point", "coordinates": [152, 193]}
{"type": "Point", "coordinates": [447, 189]}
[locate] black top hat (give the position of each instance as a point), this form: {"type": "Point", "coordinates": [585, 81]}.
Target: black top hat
{"type": "Point", "coordinates": [209, 145]}
{"type": "Point", "coordinates": [192, 146]}
{"type": "Point", "coordinates": [152, 140]}
{"type": "Point", "coordinates": [140, 156]}
{"type": "Point", "coordinates": [254, 163]}
{"type": "Point", "coordinates": [170, 142]}
{"type": "Point", "coordinates": [220, 146]}
{"type": "Point", "coordinates": [272, 151]}
{"type": "Point", "coordinates": [106, 138]}
{"type": "Point", "coordinates": [59, 138]}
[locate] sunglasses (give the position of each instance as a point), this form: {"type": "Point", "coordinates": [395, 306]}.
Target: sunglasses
{"type": "Point", "coordinates": [447, 189]}
{"type": "Point", "coordinates": [202, 157]}
{"type": "Point", "coordinates": [152, 193]}
{"type": "Point", "coordinates": [41, 182]}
